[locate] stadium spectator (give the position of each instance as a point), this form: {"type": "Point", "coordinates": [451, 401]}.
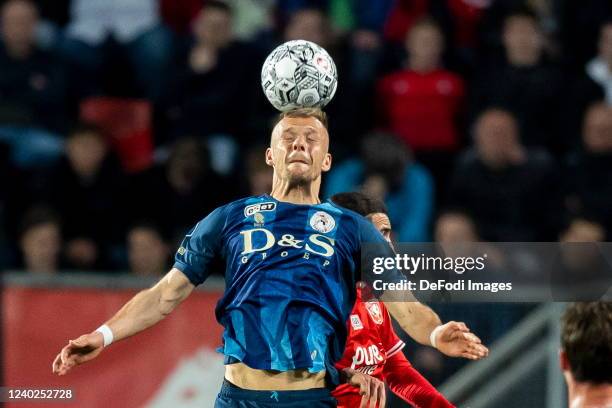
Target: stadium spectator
{"type": "Point", "coordinates": [148, 254]}
{"type": "Point", "coordinates": [385, 171]}
{"type": "Point", "coordinates": [588, 190]}
{"type": "Point", "coordinates": [454, 226]}
{"type": "Point", "coordinates": [582, 270]}
{"type": "Point", "coordinates": [421, 103]}
{"type": "Point", "coordinates": [583, 230]}
{"type": "Point", "coordinates": [32, 88]}
{"type": "Point", "coordinates": [586, 354]}
{"type": "Point", "coordinates": [522, 82]}
{"type": "Point", "coordinates": [310, 24]}
{"type": "Point", "coordinates": [599, 69]}
{"type": "Point", "coordinates": [216, 75]}
{"type": "Point", "coordinates": [591, 84]}
{"type": "Point", "coordinates": [41, 241]}
{"type": "Point", "coordinates": [134, 25]}
{"type": "Point", "coordinates": [506, 185]}
{"type": "Point", "coordinates": [545, 12]}
{"type": "Point", "coordinates": [86, 190]}
{"type": "Point", "coordinates": [460, 21]}
{"type": "Point", "coordinates": [176, 194]}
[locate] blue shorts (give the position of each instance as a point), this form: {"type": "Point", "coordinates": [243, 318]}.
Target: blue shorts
{"type": "Point", "coordinates": [232, 396]}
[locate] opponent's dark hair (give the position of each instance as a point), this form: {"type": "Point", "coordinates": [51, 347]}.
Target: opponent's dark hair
{"type": "Point", "coordinates": [361, 203]}
{"type": "Point", "coordinates": [586, 338]}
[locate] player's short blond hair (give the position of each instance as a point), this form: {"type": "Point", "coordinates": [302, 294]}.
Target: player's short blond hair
{"type": "Point", "coordinates": [304, 113]}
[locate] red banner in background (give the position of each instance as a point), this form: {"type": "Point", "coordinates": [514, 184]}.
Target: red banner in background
{"type": "Point", "coordinates": [170, 365]}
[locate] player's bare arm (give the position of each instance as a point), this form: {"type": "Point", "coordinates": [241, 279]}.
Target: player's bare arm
{"type": "Point", "coordinates": [422, 324]}
{"type": "Point", "coordinates": [144, 310]}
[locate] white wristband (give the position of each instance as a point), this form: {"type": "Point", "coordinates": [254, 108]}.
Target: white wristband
{"type": "Point", "coordinates": [106, 333]}
{"type": "Point", "coordinates": [434, 334]}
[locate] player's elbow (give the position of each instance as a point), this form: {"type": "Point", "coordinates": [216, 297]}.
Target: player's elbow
{"type": "Point", "coordinates": [167, 303]}
{"type": "Point", "coordinates": [169, 299]}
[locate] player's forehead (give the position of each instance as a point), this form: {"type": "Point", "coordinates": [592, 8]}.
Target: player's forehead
{"type": "Point", "coordinates": [301, 125]}
{"type": "Point", "coordinates": [380, 220]}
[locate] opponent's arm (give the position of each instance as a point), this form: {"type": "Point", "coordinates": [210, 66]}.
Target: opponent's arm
{"type": "Point", "coordinates": [415, 318]}
{"type": "Point", "coordinates": [422, 324]}
{"type": "Point", "coordinates": [408, 384]}
{"type": "Point", "coordinates": [144, 310]}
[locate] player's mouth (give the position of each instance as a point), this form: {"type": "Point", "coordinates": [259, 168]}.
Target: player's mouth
{"type": "Point", "coordinates": [298, 160]}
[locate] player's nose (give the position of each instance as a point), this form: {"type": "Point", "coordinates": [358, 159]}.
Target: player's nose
{"type": "Point", "coordinates": [299, 144]}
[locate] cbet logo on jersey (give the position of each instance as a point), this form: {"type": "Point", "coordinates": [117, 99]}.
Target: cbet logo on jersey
{"type": "Point", "coordinates": [259, 207]}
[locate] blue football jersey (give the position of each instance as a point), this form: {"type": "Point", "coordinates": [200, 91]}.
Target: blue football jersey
{"type": "Point", "coordinates": [290, 274]}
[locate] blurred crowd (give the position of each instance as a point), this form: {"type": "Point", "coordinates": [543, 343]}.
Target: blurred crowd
{"type": "Point", "coordinates": [124, 122]}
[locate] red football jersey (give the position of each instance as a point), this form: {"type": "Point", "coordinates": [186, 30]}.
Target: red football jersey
{"type": "Point", "coordinates": [373, 348]}
{"type": "Point", "coordinates": [371, 341]}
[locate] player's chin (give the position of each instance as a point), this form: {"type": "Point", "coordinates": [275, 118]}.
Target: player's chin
{"type": "Point", "coordinates": [299, 172]}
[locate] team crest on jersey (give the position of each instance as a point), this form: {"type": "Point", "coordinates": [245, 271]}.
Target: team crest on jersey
{"type": "Point", "coordinates": [259, 207]}
{"type": "Point", "coordinates": [373, 309]}
{"type": "Point", "coordinates": [356, 322]}
{"type": "Point", "coordinates": [322, 222]}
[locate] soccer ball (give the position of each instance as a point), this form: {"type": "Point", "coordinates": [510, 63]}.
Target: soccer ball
{"type": "Point", "coordinates": [299, 74]}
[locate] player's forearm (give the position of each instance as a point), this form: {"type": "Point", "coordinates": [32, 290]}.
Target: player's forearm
{"type": "Point", "coordinates": [140, 313]}
{"type": "Point", "coordinates": [415, 318]}
{"type": "Point", "coordinates": [408, 384]}
{"type": "Point", "coordinates": [150, 306]}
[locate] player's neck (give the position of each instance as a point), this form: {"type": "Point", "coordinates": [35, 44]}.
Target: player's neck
{"type": "Point", "coordinates": [307, 193]}
{"type": "Point", "coordinates": [585, 395]}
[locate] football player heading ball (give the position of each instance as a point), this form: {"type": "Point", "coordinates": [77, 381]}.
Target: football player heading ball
{"type": "Point", "coordinates": [290, 274]}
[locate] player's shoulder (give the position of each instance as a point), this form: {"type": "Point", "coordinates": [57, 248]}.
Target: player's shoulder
{"type": "Point", "coordinates": [250, 203]}
{"type": "Point", "coordinates": [348, 215]}
{"type": "Point", "coordinates": [219, 216]}
{"type": "Point", "coordinates": [246, 205]}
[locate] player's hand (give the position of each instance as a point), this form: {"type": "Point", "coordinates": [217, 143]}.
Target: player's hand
{"type": "Point", "coordinates": [455, 340]}
{"type": "Point", "coordinates": [78, 351]}
{"type": "Point", "coordinates": [371, 389]}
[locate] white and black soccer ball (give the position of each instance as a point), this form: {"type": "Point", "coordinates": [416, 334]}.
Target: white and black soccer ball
{"type": "Point", "coordinates": [299, 74]}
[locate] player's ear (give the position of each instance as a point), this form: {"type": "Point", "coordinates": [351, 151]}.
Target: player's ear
{"type": "Point", "coordinates": [269, 159]}
{"type": "Point", "coordinates": [327, 162]}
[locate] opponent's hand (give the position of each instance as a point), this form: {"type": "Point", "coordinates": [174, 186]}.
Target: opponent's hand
{"type": "Point", "coordinates": [371, 389]}
{"type": "Point", "coordinates": [79, 351]}
{"type": "Point", "coordinates": [455, 340]}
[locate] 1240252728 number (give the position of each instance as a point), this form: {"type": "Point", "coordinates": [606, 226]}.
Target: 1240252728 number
{"type": "Point", "coordinates": [12, 394]}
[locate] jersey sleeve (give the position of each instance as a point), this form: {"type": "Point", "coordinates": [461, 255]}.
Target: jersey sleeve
{"type": "Point", "coordinates": [408, 384]}
{"type": "Point", "coordinates": [200, 247]}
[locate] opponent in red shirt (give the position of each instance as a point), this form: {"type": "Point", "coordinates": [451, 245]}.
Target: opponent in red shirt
{"type": "Point", "coordinates": [372, 347]}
